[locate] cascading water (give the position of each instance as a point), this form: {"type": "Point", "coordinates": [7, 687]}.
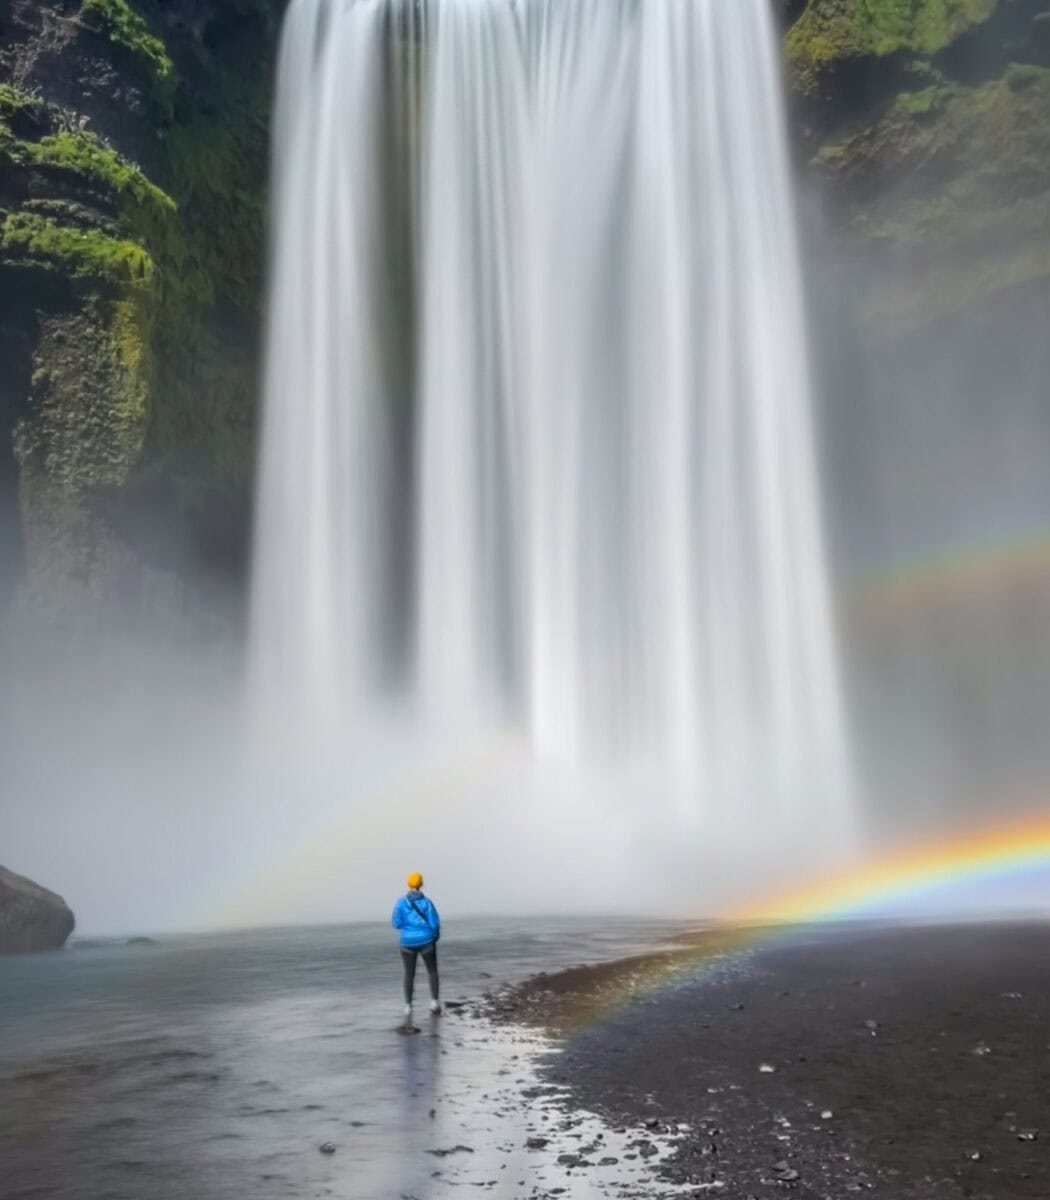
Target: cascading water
{"type": "Point", "coordinates": [538, 437]}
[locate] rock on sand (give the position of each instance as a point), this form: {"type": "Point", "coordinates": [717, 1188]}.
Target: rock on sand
{"type": "Point", "coordinates": [31, 917]}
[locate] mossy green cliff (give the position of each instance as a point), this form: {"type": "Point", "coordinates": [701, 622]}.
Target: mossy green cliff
{"type": "Point", "coordinates": [926, 126]}
{"type": "Point", "coordinates": [133, 151]}
{"type": "Point", "coordinates": [832, 32]}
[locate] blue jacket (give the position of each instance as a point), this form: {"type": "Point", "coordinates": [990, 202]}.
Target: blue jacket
{"type": "Point", "coordinates": [417, 928]}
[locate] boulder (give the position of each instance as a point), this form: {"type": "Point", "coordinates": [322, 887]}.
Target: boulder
{"type": "Point", "coordinates": [31, 917]}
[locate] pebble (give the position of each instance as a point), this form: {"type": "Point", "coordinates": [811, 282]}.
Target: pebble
{"type": "Point", "coordinates": [767, 1068]}
{"type": "Point", "coordinates": [783, 1173]}
{"type": "Point", "coordinates": [326, 1148]}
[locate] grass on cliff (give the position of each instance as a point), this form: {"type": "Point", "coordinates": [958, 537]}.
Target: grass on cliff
{"type": "Point", "coordinates": [956, 180]}
{"type": "Point", "coordinates": [78, 254]}
{"type": "Point", "coordinates": [81, 154]}
{"type": "Point", "coordinates": [13, 102]}
{"type": "Point", "coordinates": [186, 256]}
{"type": "Point", "coordinates": [126, 28]}
{"type": "Point", "coordinates": [129, 30]}
{"type": "Point", "coordinates": [72, 248]}
{"type": "Point", "coordinates": [830, 31]}
{"type": "Point", "coordinates": [90, 386]}
{"type": "Point", "coordinates": [964, 160]}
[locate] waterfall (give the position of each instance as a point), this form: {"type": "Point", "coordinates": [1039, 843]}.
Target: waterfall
{"type": "Point", "coordinates": [538, 438]}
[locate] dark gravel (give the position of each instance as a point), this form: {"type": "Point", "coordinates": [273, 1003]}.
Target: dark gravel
{"type": "Point", "coordinates": [913, 1063]}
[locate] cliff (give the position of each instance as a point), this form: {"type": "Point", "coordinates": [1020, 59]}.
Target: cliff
{"type": "Point", "coordinates": [924, 125]}
{"type": "Point", "coordinates": [133, 158]}
{"type": "Point", "coordinates": [31, 917]}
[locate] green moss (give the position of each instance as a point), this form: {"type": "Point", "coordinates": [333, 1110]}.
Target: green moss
{"type": "Point", "coordinates": [127, 28]}
{"type": "Point", "coordinates": [84, 155]}
{"type": "Point", "coordinates": [831, 31]}
{"type": "Point", "coordinates": [65, 237]}
{"type": "Point", "coordinates": [85, 424]}
{"type": "Point", "coordinates": [14, 102]}
{"type": "Point", "coordinates": [958, 156]}
{"type": "Point", "coordinates": [131, 355]}
{"type": "Point", "coordinates": [211, 259]}
{"type": "Point", "coordinates": [15, 107]}
{"type": "Point", "coordinates": [954, 181]}
{"type": "Point", "coordinates": [77, 254]}
{"type": "Point", "coordinates": [928, 102]}
{"type": "Point", "coordinates": [186, 256]}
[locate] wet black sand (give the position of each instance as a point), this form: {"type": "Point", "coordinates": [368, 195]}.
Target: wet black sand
{"type": "Point", "coordinates": [913, 1063]}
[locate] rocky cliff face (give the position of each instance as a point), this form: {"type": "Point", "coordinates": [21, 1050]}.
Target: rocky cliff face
{"type": "Point", "coordinates": [31, 917]}
{"type": "Point", "coordinates": [133, 151]}
{"type": "Point", "coordinates": [925, 125]}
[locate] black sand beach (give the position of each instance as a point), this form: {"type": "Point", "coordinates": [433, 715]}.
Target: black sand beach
{"type": "Point", "coordinates": [911, 1062]}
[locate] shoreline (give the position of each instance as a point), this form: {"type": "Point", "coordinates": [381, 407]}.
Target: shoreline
{"type": "Point", "coordinates": [912, 1061]}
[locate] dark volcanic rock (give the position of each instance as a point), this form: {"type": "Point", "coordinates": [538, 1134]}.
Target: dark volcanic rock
{"type": "Point", "coordinates": [31, 917]}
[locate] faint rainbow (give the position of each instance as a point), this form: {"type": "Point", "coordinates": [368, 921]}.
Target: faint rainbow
{"type": "Point", "coordinates": [966, 570]}
{"type": "Point", "coordinates": [402, 784]}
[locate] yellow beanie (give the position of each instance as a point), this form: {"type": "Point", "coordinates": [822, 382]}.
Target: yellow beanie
{"type": "Point", "coordinates": [415, 881]}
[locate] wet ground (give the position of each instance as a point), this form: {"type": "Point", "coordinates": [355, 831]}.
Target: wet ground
{"type": "Point", "coordinates": [911, 1063]}
{"type": "Point", "coordinates": [269, 1064]}
{"type": "Point", "coordinates": [908, 1062]}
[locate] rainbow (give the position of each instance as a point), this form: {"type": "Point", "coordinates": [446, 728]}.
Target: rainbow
{"type": "Point", "coordinates": [1007, 850]}
{"type": "Point", "coordinates": [982, 567]}
{"type": "Point", "coordinates": [988, 852]}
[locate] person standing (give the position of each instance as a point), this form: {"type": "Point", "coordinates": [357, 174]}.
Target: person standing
{"type": "Point", "coordinates": [419, 925]}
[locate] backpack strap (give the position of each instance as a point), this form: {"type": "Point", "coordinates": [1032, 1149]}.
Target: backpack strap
{"type": "Point", "coordinates": [419, 912]}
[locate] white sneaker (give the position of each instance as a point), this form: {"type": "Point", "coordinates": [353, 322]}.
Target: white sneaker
{"type": "Point", "coordinates": [435, 1006]}
{"type": "Point", "coordinates": [408, 1014]}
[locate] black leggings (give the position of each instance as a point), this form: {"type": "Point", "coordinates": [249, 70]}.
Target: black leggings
{"type": "Point", "coordinates": [430, 961]}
